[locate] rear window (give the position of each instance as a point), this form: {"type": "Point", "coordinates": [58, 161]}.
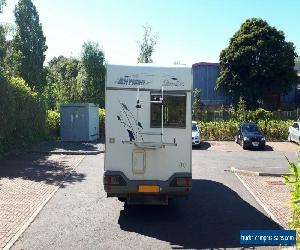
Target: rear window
{"type": "Point", "coordinates": [174, 110]}
{"type": "Point", "coordinates": [250, 128]}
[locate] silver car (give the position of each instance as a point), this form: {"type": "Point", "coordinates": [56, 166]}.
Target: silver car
{"type": "Point", "coordinates": [196, 134]}
{"type": "Point", "coordinates": [294, 133]}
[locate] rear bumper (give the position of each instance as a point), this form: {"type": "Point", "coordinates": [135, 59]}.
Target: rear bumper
{"type": "Point", "coordinates": [167, 187]}
{"type": "Point", "coordinates": [261, 144]}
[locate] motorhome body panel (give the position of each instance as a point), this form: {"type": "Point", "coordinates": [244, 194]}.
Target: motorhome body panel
{"type": "Point", "coordinates": [125, 123]}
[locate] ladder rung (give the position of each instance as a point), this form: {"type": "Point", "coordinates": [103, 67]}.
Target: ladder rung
{"type": "Point", "coordinates": [150, 133]}
{"type": "Point", "coordinates": [151, 101]}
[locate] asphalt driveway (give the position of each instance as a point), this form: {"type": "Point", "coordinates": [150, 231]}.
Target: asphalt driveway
{"type": "Point", "coordinates": [80, 215]}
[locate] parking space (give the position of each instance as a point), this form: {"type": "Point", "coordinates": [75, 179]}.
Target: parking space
{"type": "Point", "coordinates": [231, 146]}
{"type": "Point", "coordinates": [269, 191]}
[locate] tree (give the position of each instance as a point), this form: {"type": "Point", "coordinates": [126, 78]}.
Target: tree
{"type": "Point", "coordinates": [2, 37]}
{"type": "Point", "coordinates": [92, 73]}
{"type": "Point", "coordinates": [197, 104]}
{"type": "Point", "coordinates": [147, 45]}
{"type": "Point", "coordinates": [30, 42]}
{"type": "Point", "coordinates": [241, 114]}
{"type": "Point", "coordinates": [2, 3]}
{"type": "Point", "coordinates": [257, 62]}
{"type": "Point", "coordinates": [62, 85]}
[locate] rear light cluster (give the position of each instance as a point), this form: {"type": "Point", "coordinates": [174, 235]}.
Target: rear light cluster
{"type": "Point", "coordinates": [182, 182]}
{"type": "Point", "coordinates": [116, 180]}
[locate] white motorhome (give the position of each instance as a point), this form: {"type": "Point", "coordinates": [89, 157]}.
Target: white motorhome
{"type": "Point", "coordinates": [148, 147]}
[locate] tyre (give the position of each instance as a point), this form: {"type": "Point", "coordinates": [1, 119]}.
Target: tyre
{"type": "Point", "coordinates": [243, 144]}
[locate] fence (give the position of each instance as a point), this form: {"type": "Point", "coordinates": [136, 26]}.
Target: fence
{"type": "Point", "coordinates": [225, 115]}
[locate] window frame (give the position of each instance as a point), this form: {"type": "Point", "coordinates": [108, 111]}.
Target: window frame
{"type": "Point", "coordinates": [169, 93]}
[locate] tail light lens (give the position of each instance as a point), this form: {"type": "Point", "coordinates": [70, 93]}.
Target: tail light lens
{"type": "Point", "coordinates": [114, 180]}
{"type": "Point", "coordinates": [182, 182]}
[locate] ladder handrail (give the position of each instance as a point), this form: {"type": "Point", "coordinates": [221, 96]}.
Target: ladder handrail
{"type": "Point", "coordinates": [138, 102]}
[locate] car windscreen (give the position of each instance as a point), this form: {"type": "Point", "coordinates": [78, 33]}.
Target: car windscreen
{"type": "Point", "coordinates": [250, 128]}
{"type": "Point", "coordinates": [194, 127]}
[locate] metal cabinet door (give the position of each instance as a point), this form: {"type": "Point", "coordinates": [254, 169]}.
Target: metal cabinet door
{"type": "Point", "coordinates": [78, 124]}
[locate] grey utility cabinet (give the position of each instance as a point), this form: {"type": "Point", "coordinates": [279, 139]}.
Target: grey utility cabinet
{"type": "Point", "coordinates": [79, 122]}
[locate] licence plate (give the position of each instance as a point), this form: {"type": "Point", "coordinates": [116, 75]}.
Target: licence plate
{"type": "Point", "coordinates": [148, 189]}
{"type": "Point", "coordinates": [255, 144]}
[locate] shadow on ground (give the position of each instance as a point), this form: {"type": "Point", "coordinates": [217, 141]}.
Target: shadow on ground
{"type": "Point", "coordinates": [88, 148]}
{"type": "Point", "coordinates": [37, 167]}
{"type": "Point", "coordinates": [203, 146]}
{"type": "Point", "coordinates": [212, 217]}
{"type": "Point", "coordinates": [267, 148]}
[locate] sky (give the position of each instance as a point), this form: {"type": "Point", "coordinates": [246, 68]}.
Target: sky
{"type": "Point", "coordinates": [189, 31]}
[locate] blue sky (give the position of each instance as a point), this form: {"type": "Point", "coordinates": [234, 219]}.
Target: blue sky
{"type": "Point", "coordinates": [188, 31]}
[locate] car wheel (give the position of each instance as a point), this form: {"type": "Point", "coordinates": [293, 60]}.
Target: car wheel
{"type": "Point", "coordinates": [289, 137]}
{"type": "Point", "coordinates": [243, 144]}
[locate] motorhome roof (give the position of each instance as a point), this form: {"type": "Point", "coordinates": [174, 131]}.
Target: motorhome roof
{"type": "Point", "coordinates": [151, 65]}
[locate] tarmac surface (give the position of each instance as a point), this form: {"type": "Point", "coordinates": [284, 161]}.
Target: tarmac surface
{"type": "Point", "coordinates": [80, 216]}
{"type": "Point", "coordinates": [72, 148]}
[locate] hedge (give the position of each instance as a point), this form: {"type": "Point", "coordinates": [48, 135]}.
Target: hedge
{"type": "Point", "coordinates": [274, 130]}
{"type": "Point", "coordinates": [53, 124]}
{"type": "Point", "coordinates": [102, 122]}
{"type": "Point", "coordinates": [22, 114]}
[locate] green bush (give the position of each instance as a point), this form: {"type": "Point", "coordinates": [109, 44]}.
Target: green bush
{"type": "Point", "coordinates": [222, 130]}
{"type": "Point", "coordinates": [275, 129]}
{"type": "Point", "coordinates": [259, 114]}
{"type": "Point", "coordinates": [102, 122]}
{"type": "Point", "coordinates": [22, 114]}
{"type": "Point", "coordinates": [101, 115]}
{"type": "Point", "coordinates": [225, 130]}
{"type": "Point", "coordinates": [294, 181]}
{"type": "Point", "coordinates": [53, 124]}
